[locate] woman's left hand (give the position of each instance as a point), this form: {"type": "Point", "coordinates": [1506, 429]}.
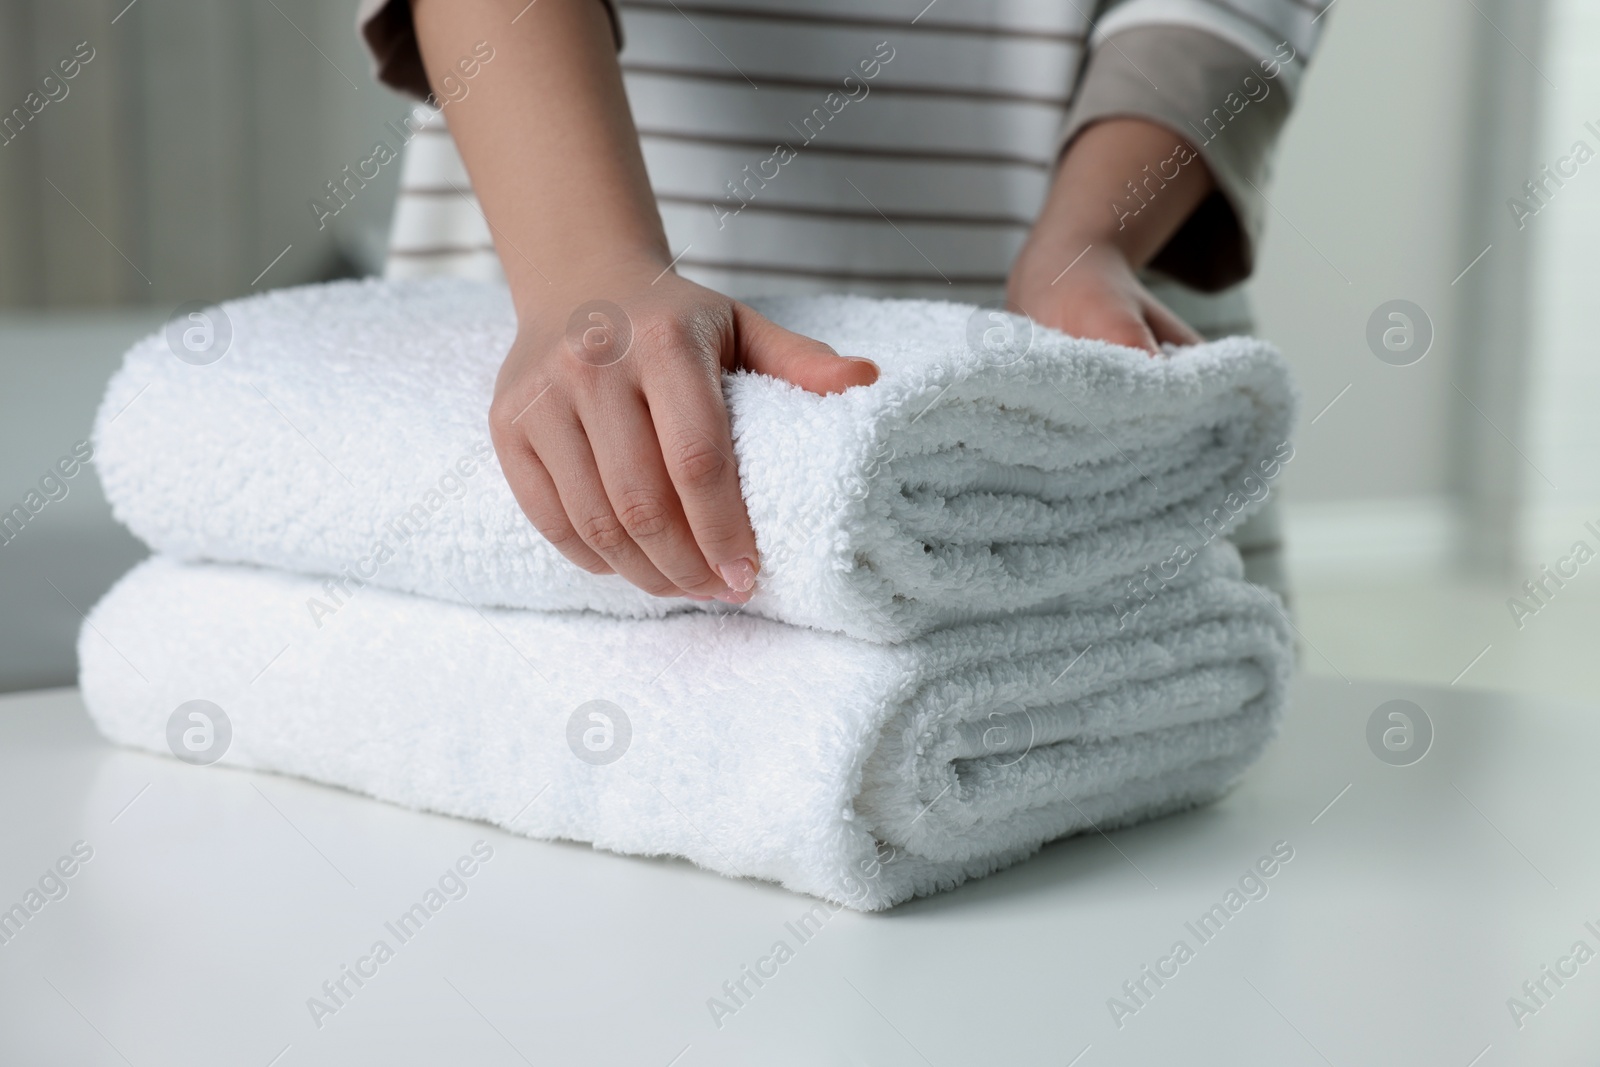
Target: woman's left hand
{"type": "Point", "coordinates": [1078, 270]}
{"type": "Point", "coordinates": [1098, 295]}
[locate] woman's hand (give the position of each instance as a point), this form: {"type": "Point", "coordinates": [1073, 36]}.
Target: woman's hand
{"type": "Point", "coordinates": [1098, 296]}
{"type": "Point", "coordinates": [1078, 270]}
{"type": "Point", "coordinates": [609, 422]}
{"type": "Point", "coordinates": [608, 415]}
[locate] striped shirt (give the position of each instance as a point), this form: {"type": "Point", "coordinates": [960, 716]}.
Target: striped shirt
{"type": "Point", "coordinates": [881, 148]}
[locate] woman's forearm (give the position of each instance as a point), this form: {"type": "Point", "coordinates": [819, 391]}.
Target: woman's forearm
{"type": "Point", "coordinates": [1123, 189]}
{"type": "Point", "coordinates": [1128, 183]}
{"type": "Point", "coordinates": [608, 415]}
{"type": "Point", "coordinates": [547, 137]}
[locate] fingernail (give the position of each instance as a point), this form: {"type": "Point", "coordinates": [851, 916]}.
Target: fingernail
{"type": "Point", "coordinates": [732, 598]}
{"type": "Point", "coordinates": [876, 370]}
{"type": "Point", "coordinates": [696, 596]}
{"type": "Point", "coordinates": [740, 575]}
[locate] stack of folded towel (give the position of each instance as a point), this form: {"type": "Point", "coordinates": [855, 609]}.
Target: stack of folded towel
{"type": "Point", "coordinates": [996, 604]}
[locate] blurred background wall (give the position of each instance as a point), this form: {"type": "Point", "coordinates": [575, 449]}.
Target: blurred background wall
{"type": "Point", "coordinates": [180, 163]}
{"type": "Point", "coordinates": [177, 166]}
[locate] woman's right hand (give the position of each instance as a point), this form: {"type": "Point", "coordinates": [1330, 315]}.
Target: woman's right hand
{"type": "Point", "coordinates": [608, 415]}
{"type": "Point", "coordinates": [609, 422]}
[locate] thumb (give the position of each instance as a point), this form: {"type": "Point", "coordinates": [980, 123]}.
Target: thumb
{"type": "Point", "coordinates": [767, 348]}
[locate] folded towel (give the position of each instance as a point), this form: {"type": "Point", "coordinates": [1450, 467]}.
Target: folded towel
{"type": "Point", "coordinates": [343, 432]}
{"type": "Point", "coordinates": [862, 773]}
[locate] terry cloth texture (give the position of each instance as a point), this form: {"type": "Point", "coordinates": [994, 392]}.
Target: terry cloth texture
{"type": "Point", "coordinates": [863, 774]}
{"type": "Point", "coordinates": [993, 467]}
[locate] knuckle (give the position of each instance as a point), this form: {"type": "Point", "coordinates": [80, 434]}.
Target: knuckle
{"type": "Point", "coordinates": [704, 583]}
{"type": "Point", "coordinates": [565, 539]}
{"type": "Point", "coordinates": [699, 463]}
{"type": "Point", "coordinates": [664, 333]}
{"type": "Point", "coordinates": [502, 433]}
{"type": "Point", "coordinates": [680, 346]}
{"type": "Point", "coordinates": [722, 533]}
{"type": "Point", "coordinates": [603, 532]}
{"type": "Point", "coordinates": [667, 332]}
{"type": "Point", "coordinates": [644, 514]}
{"type": "Point", "coordinates": [512, 415]}
{"type": "Point", "coordinates": [503, 410]}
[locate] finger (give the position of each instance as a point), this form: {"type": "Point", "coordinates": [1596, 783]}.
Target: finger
{"type": "Point", "coordinates": [1120, 325]}
{"type": "Point", "coordinates": [691, 423]}
{"type": "Point", "coordinates": [763, 346]}
{"type": "Point", "coordinates": [563, 447]}
{"type": "Point", "coordinates": [1167, 327]}
{"type": "Point", "coordinates": [536, 495]}
{"type": "Point", "coordinates": [644, 497]}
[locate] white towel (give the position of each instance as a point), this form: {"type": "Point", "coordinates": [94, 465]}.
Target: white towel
{"type": "Point", "coordinates": [861, 773]}
{"type": "Point", "coordinates": [343, 432]}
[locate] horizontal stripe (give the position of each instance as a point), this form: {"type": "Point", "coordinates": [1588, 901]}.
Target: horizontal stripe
{"type": "Point", "coordinates": [760, 50]}
{"type": "Point", "coordinates": [805, 210]}
{"type": "Point", "coordinates": [887, 278]}
{"type": "Point", "coordinates": [860, 215]}
{"type": "Point", "coordinates": [434, 163]}
{"type": "Point", "coordinates": [1248, 17]}
{"type": "Point", "coordinates": [826, 245]}
{"type": "Point", "coordinates": [814, 18]}
{"type": "Point", "coordinates": [813, 210]}
{"type": "Point", "coordinates": [654, 70]}
{"type": "Point", "coordinates": [1226, 329]}
{"type": "Point", "coordinates": [441, 250]}
{"type": "Point", "coordinates": [853, 184]}
{"type": "Point", "coordinates": [439, 221]}
{"type": "Point", "coordinates": [907, 155]}
{"type": "Point", "coordinates": [733, 109]}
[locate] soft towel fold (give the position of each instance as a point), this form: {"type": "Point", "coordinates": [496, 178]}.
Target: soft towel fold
{"type": "Point", "coordinates": [862, 773]}
{"type": "Point", "coordinates": [344, 433]}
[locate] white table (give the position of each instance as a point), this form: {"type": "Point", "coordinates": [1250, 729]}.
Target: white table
{"type": "Point", "coordinates": [217, 902]}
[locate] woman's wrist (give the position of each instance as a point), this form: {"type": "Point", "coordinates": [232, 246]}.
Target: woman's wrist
{"type": "Point", "coordinates": [598, 272]}
{"type": "Point", "coordinates": [1108, 192]}
{"type": "Point", "coordinates": [1077, 271]}
{"type": "Point", "coordinates": [1055, 258]}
